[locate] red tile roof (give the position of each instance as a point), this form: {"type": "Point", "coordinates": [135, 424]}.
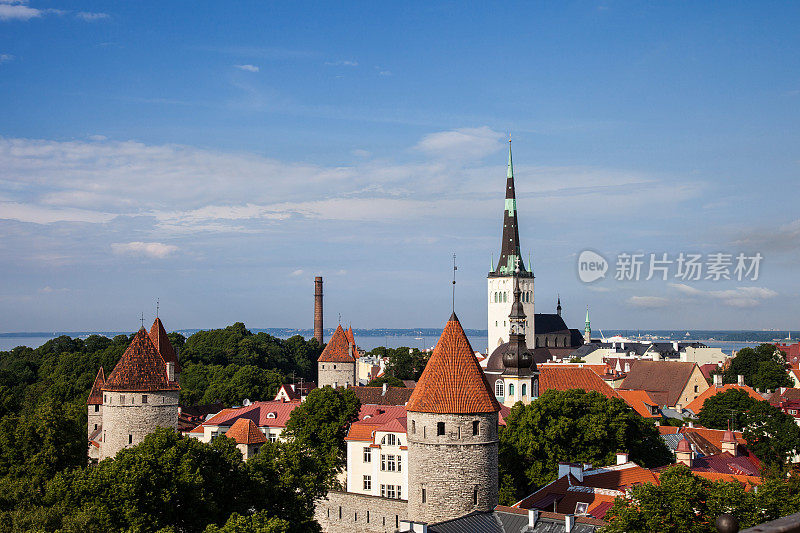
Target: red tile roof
{"type": "Point", "coordinates": [350, 336]}
{"type": "Point", "coordinates": [697, 404]}
{"type": "Point", "coordinates": [338, 349]}
{"type": "Point", "coordinates": [619, 477]}
{"type": "Point", "coordinates": [640, 401]}
{"type": "Point", "coordinates": [563, 377]}
{"type": "Point", "coordinates": [244, 431]}
{"type": "Point", "coordinates": [453, 381]}
{"type": "Point", "coordinates": [664, 380]}
{"type": "Point", "coordinates": [373, 418]}
{"type": "Point", "coordinates": [159, 337]}
{"type": "Point", "coordinates": [96, 394]}
{"type": "Point", "coordinates": [263, 414]}
{"type": "Point", "coordinates": [376, 396]}
{"type": "Point", "coordinates": [140, 369]}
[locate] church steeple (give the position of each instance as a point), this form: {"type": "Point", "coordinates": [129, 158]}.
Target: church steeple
{"type": "Point", "coordinates": [509, 247]}
{"type": "Point", "coordinates": [587, 329]}
{"type": "Point", "coordinates": [518, 359]}
{"type": "Point", "coordinates": [558, 306]}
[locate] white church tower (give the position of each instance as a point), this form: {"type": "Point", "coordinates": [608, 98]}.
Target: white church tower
{"type": "Point", "coordinates": [501, 279]}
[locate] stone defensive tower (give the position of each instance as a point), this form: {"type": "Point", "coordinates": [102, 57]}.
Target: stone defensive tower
{"type": "Point", "coordinates": [336, 365]}
{"type": "Point", "coordinates": [501, 277]}
{"type": "Point", "coordinates": [452, 434]}
{"type": "Point", "coordinates": [95, 405]}
{"type": "Point", "coordinates": [318, 333]}
{"type": "Point", "coordinates": [140, 394]}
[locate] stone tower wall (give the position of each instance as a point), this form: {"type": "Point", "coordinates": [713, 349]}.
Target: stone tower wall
{"type": "Point", "coordinates": [126, 424]}
{"type": "Point", "coordinates": [346, 512]}
{"type": "Point", "coordinates": [95, 418]}
{"type": "Point", "coordinates": [343, 374]}
{"type": "Point", "coordinates": [451, 466]}
{"type": "Point", "coordinates": [498, 312]}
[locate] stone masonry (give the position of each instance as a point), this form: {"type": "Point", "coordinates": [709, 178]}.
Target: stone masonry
{"type": "Point", "coordinates": [345, 512]}
{"type": "Point", "coordinates": [95, 418]}
{"type": "Point", "coordinates": [127, 419]}
{"type": "Point", "coordinates": [454, 469]}
{"type": "Point", "coordinates": [340, 374]}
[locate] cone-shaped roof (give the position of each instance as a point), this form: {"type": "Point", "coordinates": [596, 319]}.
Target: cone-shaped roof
{"type": "Point", "coordinates": [140, 369]}
{"type": "Point", "coordinates": [245, 431]}
{"type": "Point", "coordinates": [350, 336]}
{"type": "Point", "coordinates": [453, 381]}
{"type": "Point", "coordinates": [683, 446]}
{"type": "Point", "coordinates": [159, 337]}
{"type": "Point", "coordinates": [338, 348]}
{"type": "Point", "coordinates": [96, 394]}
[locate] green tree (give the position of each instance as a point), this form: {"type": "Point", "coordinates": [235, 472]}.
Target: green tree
{"type": "Point", "coordinates": [729, 406]}
{"type": "Point", "coordinates": [573, 426]}
{"type": "Point", "coordinates": [391, 381]}
{"type": "Point", "coordinates": [772, 435]}
{"type": "Point", "coordinates": [403, 362]}
{"type": "Point", "coordinates": [259, 522]}
{"type": "Point", "coordinates": [748, 363]}
{"type": "Point", "coordinates": [321, 422]}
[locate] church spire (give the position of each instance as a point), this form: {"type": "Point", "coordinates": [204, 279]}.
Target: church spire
{"type": "Point", "coordinates": [558, 306]}
{"type": "Point", "coordinates": [587, 329]}
{"type": "Point", "coordinates": [509, 247]}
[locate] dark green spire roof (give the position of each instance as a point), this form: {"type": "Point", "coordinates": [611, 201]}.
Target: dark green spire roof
{"type": "Point", "coordinates": [509, 247]}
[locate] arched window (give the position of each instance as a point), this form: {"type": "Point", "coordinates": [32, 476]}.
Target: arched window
{"type": "Point", "coordinates": [498, 388]}
{"type": "Point", "coordinates": [389, 440]}
{"type": "Point", "coordinates": [511, 390]}
{"type": "Point", "coordinates": [505, 297]}
{"type": "Point", "coordinates": [524, 390]}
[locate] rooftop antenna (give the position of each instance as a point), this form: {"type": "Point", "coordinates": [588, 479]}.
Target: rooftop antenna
{"type": "Point", "coordinates": [157, 305]}
{"type": "Point", "coordinates": [454, 282]}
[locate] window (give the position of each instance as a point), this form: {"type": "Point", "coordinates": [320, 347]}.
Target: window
{"type": "Point", "coordinates": [581, 507]}
{"type": "Point", "coordinates": [96, 408]}
{"type": "Point", "coordinates": [440, 428]}
{"type": "Point", "coordinates": [696, 388]}
{"type": "Point", "coordinates": [390, 492]}
{"type": "Point", "coordinates": [367, 483]}
{"type": "Point", "coordinates": [144, 398]}
{"type": "Point", "coordinates": [399, 464]}
{"type": "Point", "coordinates": [475, 496]}
{"type": "Point", "coordinates": [214, 435]}
{"type": "Point", "coordinates": [122, 398]}
{"type": "Point", "coordinates": [388, 463]}
{"type": "Point", "coordinates": [498, 388]}
{"type": "Point", "coordinates": [511, 389]}
{"type": "Point", "coordinates": [399, 488]}
{"type": "Point", "coordinates": [340, 512]}
{"type": "Point", "coordinates": [413, 426]}
{"type": "Point", "coordinates": [505, 297]}
{"type": "Point", "coordinates": [383, 490]}
{"type": "Point", "coordinates": [475, 426]}
{"type": "Point", "coordinates": [424, 496]}
{"type": "Point", "coordinates": [524, 390]}
{"type": "Point", "coordinates": [389, 440]}
{"type": "Point", "coordinates": [367, 454]}
{"type": "Point", "coordinates": [130, 438]}
{"type": "Point", "coordinates": [95, 426]}
{"type": "Point", "coordinates": [105, 396]}
{"type": "Point", "coordinates": [334, 367]}
{"type": "Point", "coordinates": [367, 517]}
{"type": "Point", "coordinates": [273, 438]}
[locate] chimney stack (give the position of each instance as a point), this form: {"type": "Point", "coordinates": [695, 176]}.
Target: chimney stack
{"type": "Point", "coordinates": [740, 380]}
{"type": "Point", "coordinates": [622, 458]}
{"type": "Point", "coordinates": [717, 380]}
{"type": "Point", "coordinates": [318, 309]}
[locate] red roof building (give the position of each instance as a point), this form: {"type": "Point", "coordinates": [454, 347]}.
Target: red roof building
{"type": "Point", "coordinates": [453, 381]}
{"type": "Point", "coordinates": [339, 349]}
{"type": "Point", "coordinates": [140, 369]}
{"type": "Point", "coordinates": [697, 404]}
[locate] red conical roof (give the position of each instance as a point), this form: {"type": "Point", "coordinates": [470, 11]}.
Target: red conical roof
{"type": "Point", "coordinates": [453, 381]}
{"type": "Point", "coordinates": [245, 431]}
{"type": "Point", "coordinates": [338, 349]}
{"type": "Point", "coordinates": [159, 337]}
{"type": "Point", "coordinates": [350, 336]}
{"type": "Point", "coordinates": [140, 369]}
{"type": "Point", "coordinates": [96, 394]}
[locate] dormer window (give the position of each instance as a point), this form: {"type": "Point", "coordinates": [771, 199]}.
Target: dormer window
{"type": "Point", "coordinates": [271, 415]}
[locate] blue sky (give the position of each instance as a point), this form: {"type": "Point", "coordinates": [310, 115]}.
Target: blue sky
{"type": "Point", "coordinates": [219, 156]}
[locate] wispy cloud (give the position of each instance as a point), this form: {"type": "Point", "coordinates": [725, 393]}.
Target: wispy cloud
{"type": "Point", "coordinates": [247, 68]}
{"type": "Point", "coordinates": [341, 63]}
{"type": "Point", "coordinates": [648, 302]}
{"type": "Point", "coordinates": [91, 17]}
{"type": "Point", "coordinates": [18, 10]}
{"type": "Point", "coordinates": [5, 58]}
{"type": "Point", "coordinates": [385, 73]}
{"type": "Point", "coordinates": [735, 297]}
{"type": "Point", "coordinates": [154, 250]}
{"type": "Point", "coordinates": [464, 143]}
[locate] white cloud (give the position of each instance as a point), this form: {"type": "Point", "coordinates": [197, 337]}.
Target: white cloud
{"type": "Point", "coordinates": [98, 138]}
{"type": "Point", "coordinates": [648, 302]}
{"type": "Point", "coordinates": [298, 272]}
{"type": "Point", "coordinates": [341, 63]}
{"type": "Point", "coordinates": [5, 58]}
{"type": "Point", "coordinates": [50, 290]}
{"type": "Point", "coordinates": [385, 73]}
{"type": "Point", "coordinates": [47, 215]}
{"type": "Point", "coordinates": [247, 68]}
{"type": "Point", "coordinates": [464, 143]}
{"type": "Point", "coordinates": [91, 17]}
{"type": "Point", "coordinates": [361, 153]}
{"type": "Point", "coordinates": [17, 10]}
{"type": "Point", "coordinates": [155, 250]}
{"type": "Point", "coordinates": [736, 297]}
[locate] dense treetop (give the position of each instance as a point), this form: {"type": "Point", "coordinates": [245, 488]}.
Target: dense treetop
{"type": "Point", "coordinates": [763, 368]}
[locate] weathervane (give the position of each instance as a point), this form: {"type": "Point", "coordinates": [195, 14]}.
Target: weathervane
{"type": "Point", "coordinates": [157, 304]}
{"type": "Point", "coordinates": [142, 319]}
{"type": "Point", "coordinates": [454, 282]}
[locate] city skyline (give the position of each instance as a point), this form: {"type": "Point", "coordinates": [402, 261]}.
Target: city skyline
{"type": "Point", "coordinates": [147, 153]}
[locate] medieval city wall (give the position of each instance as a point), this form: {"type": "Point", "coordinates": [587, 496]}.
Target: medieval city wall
{"type": "Point", "coordinates": [135, 418]}
{"type": "Point", "coordinates": [345, 512]}
{"type": "Point", "coordinates": [343, 374]}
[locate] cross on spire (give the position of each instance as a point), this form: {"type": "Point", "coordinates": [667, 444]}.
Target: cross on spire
{"type": "Point", "coordinates": [157, 305]}
{"type": "Point", "coordinates": [454, 282]}
{"type": "Point", "coordinates": [142, 319]}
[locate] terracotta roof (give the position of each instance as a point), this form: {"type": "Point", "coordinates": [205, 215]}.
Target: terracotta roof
{"type": "Point", "coordinates": [338, 349]}
{"type": "Point", "coordinates": [375, 395]}
{"type": "Point", "coordinates": [562, 377]}
{"type": "Point", "coordinates": [697, 404]}
{"type": "Point", "coordinates": [707, 368]}
{"type": "Point", "coordinates": [159, 337]}
{"type": "Point", "coordinates": [453, 381]}
{"type": "Point", "coordinates": [244, 431]}
{"type": "Point", "coordinates": [263, 414]}
{"type": "Point", "coordinates": [640, 401]}
{"type": "Point", "coordinates": [664, 380]}
{"type": "Point", "coordinates": [725, 463]}
{"type": "Point", "coordinates": [140, 369]}
{"type": "Point", "coordinates": [350, 336]}
{"type": "Point", "coordinates": [96, 394]}
{"type": "Point", "coordinates": [376, 418]}
{"type": "Point", "coordinates": [619, 477]}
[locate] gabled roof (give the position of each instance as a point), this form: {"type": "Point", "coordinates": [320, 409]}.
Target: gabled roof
{"type": "Point", "coordinates": [140, 369]}
{"type": "Point", "coordinates": [453, 381]}
{"type": "Point", "coordinates": [244, 431]}
{"type": "Point", "coordinates": [565, 377]}
{"type": "Point", "coordinates": [664, 380]}
{"type": "Point", "coordinates": [159, 337]}
{"type": "Point", "coordinates": [697, 404]}
{"type": "Point", "coordinates": [96, 394]}
{"type": "Point", "coordinates": [376, 396]}
{"type": "Point", "coordinates": [338, 349]}
{"type": "Point", "coordinates": [263, 414]}
{"type": "Point", "coordinates": [640, 401]}
{"type": "Point", "coordinates": [549, 323]}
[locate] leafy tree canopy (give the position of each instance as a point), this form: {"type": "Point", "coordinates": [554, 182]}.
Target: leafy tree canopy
{"type": "Point", "coordinates": [389, 380]}
{"type": "Point", "coordinates": [763, 367]}
{"type": "Point", "coordinates": [729, 406]}
{"type": "Point", "coordinates": [572, 426]}
{"type": "Point", "coordinates": [772, 435]}
{"type": "Point", "coordinates": [403, 362]}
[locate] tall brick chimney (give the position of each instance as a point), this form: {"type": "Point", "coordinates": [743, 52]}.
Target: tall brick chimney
{"type": "Point", "coordinates": [318, 309]}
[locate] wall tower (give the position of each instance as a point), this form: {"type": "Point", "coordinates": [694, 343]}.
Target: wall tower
{"type": "Point", "coordinates": [336, 365]}
{"type": "Point", "coordinates": [95, 405]}
{"type": "Point", "coordinates": [452, 434]}
{"type": "Point", "coordinates": [139, 395]}
{"type": "Point", "coordinates": [500, 280]}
